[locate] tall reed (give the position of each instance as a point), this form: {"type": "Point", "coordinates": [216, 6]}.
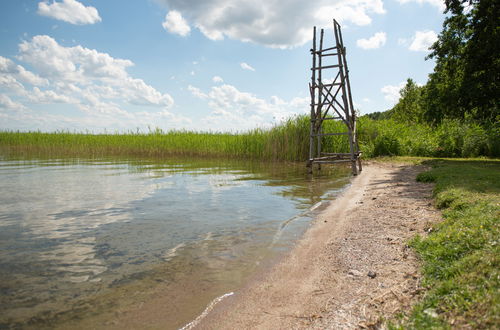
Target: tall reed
{"type": "Point", "coordinates": [287, 141]}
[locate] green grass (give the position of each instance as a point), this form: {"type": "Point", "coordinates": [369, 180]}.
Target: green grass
{"type": "Point", "coordinates": [461, 256]}
{"type": "Point", "coordinates": [284, 142]}
{"type": "Point", "coordinates": [288, 141]}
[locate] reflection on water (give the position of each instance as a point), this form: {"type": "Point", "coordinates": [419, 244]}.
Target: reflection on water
{"type": "Point", "coordinates": [75, 230]}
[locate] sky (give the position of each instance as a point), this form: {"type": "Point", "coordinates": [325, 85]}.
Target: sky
{"type": "Point", "coordinates": [205, 65]}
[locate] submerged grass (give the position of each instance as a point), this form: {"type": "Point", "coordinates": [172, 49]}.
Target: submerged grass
{"type": "Point", "coordinates": [461, 256]}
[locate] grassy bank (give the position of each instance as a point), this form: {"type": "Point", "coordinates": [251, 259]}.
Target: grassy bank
{"type": "Point", "coordinates": [461, 255]}
{"type": "Point", "coordinates": [288, 141]}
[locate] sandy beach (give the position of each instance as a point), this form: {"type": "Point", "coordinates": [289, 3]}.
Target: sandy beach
{"type": "Point", "coordinates": [351, 269]}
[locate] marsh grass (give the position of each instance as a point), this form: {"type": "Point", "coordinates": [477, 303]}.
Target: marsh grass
{"type": "Point", "coordinates": [461, 256]}
{"type": "Point", "coordinates": [287, 141]}
{"type": "Point", "coordinates": [282, 142]}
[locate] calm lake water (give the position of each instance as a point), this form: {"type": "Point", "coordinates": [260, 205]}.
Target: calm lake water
{"type": "Point", "coordinates": [81, 238]}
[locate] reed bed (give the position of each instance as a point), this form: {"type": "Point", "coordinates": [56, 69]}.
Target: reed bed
{"type": "Point", "coordinates": [288, 141]}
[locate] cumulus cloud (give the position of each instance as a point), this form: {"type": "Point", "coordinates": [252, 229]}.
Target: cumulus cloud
{"type": "Point", "coordinates": [175, 23]}
{"type": "Point", "coordinates": [246, 66]}
{"type": "Point", "coordinates": [87, 68]}
{"type": "Point", "coordinates": [376, 41]}
{"type": "Point", "coordinates": [95, 83]}
{"type": "Point", "coordinates": [70, 63]}
{"type": "Point", "coordinates": [271, 23]}
{"type": "Point", "coordinates": [235, 110]}
{"type": "Point", "coordinates": [196, 92]}
{"type": "Point", "coordinates": [137, 92]}
{"type": "Point", "coordinates": [436, 3]}
{"type": "Point", "coordinates": [423, 40]}
{"type": "Point", "coordinates": [49, 96]}
{"type": "Point", "coordinates": [70, 11]}
{"type": "Point", "coordinates": [217, 79]}
{"type": "Point", "coordinates": [9, 68]}
{"type": "Point", "coordinates": [391, 92]}
{"type": "Point", "coordinates": [7, 104]}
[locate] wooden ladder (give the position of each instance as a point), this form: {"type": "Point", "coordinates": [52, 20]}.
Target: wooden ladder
{"type": "Point", "coordinates": [331, 101]}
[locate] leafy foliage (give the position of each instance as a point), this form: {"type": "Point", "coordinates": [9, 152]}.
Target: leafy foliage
{"type": "Point", "coordinates": [410, 107]}
{"type": "Point", "coordinates": [465, 81]}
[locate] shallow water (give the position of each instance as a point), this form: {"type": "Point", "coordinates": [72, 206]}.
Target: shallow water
{"type": "Point", "coordinates": [77, 236]}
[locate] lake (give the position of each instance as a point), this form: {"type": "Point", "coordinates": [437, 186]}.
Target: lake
{"type": "Point", "coordinates": [81, 239]}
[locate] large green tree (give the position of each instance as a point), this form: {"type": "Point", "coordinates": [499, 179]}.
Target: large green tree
{"type": "Point", "coordinates": [409, 108]}
{"type": "Point", "coordinates": [465, 82]}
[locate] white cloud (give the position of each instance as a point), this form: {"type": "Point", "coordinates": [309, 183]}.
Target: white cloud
{"type": "Point", "coordinates": [70, 63]}
{"type": "Point", "coordinates": [217, 79]}
{"type": "Point", "coordinates": [8, 82]}
{"type": "Point", "coordinates": [70, 11]}
{"type": "Point", "coordinates": [245, 66]}
{"type": "Point", "coordinates": [423, 40]}
{"type": "Point", "coordinates": [90, 70]}
{"type": "Point", "coordinates": [196, 92]}
{"type": "Point", "coordinates": [377, 41]}
{"type": "Point", "coordinates": [137, 92]}
{"type": "Point", "coordinates": [234, 110]}
{"type": "Point", "coordinates": [391, 92]}
{"type": "Point", "coordinates": [175, 23]}
{"type": "Point", "coordinates": [9, 68]}
{"type": "Point", "coordinates": [271, 23]}
{"type": "Point", "coordinates": [95, 83]}
{"type": "Point", "coordinates": [437, 3]}
{"type": "Point", "coordinates": [49, 96]}
{"type": "Point", "coordinates": [7, 104]}
{"type": "Point", "coordinates": [301, 103]}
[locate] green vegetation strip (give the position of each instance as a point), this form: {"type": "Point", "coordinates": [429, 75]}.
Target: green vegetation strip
{"type": "Point", "coordinates": [288, 141]}
{"type": "Point", "coordinates": [461, 255]}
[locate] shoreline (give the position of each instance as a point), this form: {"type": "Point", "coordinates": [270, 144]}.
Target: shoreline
{"type": "Point", "coordinates": [351, 269]}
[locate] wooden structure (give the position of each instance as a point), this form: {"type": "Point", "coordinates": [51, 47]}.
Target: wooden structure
{"type": "Point", "coordinates": [331, 100]}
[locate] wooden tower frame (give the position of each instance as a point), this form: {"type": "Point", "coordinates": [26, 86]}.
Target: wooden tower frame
{"type": "Point", "coordinates": [331, 101]}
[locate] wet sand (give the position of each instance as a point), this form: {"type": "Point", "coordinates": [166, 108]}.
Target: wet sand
{"type": "Point", "coordinates": [352, 267]}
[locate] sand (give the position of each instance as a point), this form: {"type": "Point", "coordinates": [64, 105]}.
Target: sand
{"type": "Point", "coordinates": [351, 269]}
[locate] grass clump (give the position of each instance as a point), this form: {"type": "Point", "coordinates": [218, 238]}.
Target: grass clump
{"type": "Point", "coordinates": [461, 256]}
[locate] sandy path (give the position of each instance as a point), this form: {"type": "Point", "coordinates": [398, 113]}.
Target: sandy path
{"type": "Point", "coordinates": [324, 281]}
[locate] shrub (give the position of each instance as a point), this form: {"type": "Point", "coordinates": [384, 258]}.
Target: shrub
{"type": "Point", "coordinates": [386, 145]}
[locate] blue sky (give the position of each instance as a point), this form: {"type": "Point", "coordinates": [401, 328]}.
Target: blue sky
{"type": "Point", "coordinates": [211, 65]}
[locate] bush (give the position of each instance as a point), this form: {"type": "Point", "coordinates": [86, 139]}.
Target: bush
{"type": "Point", "coordinates": [449, 139]}
{"type": "Point", "coordinates": [386, 145]}
{"type": "Point", "coordinates": [475, 142]}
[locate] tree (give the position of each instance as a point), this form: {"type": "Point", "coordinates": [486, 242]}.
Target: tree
{"type": "Point", "coordinates": [465, 81]}
{"type": "Point", "coordinates": [409, 108]}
